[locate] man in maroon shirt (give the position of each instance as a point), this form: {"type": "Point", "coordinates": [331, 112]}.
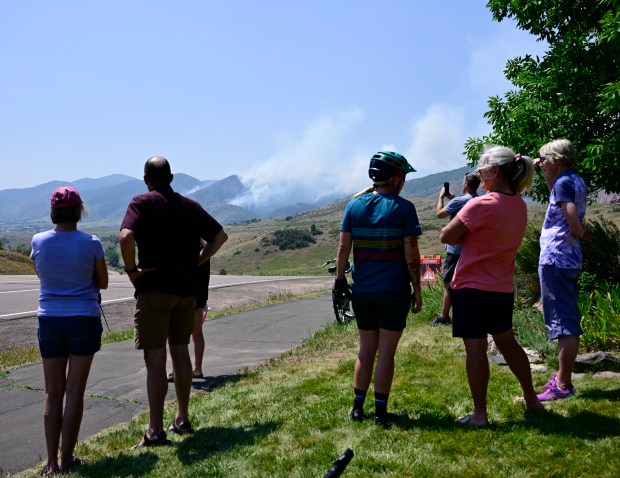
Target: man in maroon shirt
{"type": "Point", "coordinates": [167, 228]}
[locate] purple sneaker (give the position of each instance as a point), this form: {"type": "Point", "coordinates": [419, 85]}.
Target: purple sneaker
{"type": "Point", "coordinates": [556, 393]}
{"type": "Point", "coordinates": [550, 384]}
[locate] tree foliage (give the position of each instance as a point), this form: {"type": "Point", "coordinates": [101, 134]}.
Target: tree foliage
{"type": "Point", "coordinates": [112, 256]}
{"type": "Point", "coordinates": [572, 92]}
{"type": "Point", "coordinates": [289, 239]}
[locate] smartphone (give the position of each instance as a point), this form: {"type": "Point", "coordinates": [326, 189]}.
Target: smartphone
{"type": "Point", "coordinates": [446, 188]}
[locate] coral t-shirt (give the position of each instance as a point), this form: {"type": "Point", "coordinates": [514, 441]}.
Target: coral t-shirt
{"type": "Point", "coordinates": [495, 225]}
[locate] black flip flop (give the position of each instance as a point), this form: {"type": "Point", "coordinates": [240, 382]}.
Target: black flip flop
{"type": "Point", "coordinates": [160, 439]}
{"type": "Point", "coordinates": [75, 461]}
{"type": "Point", "coordinates": [182, 429]}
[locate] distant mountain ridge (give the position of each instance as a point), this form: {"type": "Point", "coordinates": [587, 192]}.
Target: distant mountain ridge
{"type": "Point", "coordinates": [107, 198]}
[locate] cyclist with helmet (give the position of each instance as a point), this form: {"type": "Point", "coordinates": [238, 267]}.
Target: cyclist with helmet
{"type": "Point", "coordinates": [382, 229]}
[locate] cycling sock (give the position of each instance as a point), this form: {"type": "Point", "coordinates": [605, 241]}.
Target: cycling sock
{"type": "Point", "coordinates": [360, 397]}
{"type": "Point", "coordinates": [381, 400]}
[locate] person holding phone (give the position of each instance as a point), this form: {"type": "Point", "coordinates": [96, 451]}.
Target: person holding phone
{"type": "Point", "coordinates": [471, 182]}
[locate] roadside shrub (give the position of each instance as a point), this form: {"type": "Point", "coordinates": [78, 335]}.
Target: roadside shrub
{"type": "Point", "coordinates": [527, 285]}
{"type": "Point", "coordinates": [290, 239]}
{"type": "Point", "coordinates": [22, 249]}
{"type": "Point", "coordinates": [599, 300]}
{"type": "Point", "coordinates": [315, 231]}
{"type": "Point", "coordinates": [601, 254]}
{"type": "Point", "coordinates": [112, 256]}
{"type": "Point", "coordinates": [529, 328]}
{"type": "Point", "coordinates": [529, 251]}
{"type": "Point", "coordinates": [600, 310]}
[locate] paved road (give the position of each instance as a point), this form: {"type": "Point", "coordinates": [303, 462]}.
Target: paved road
{"type": "Point", "coordinates": [233, 343]}
{"type": "Point", "coordinates": [19, 295]}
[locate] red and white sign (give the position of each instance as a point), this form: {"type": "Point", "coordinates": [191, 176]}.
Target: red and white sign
{"type": "Point", "coordinates": [430, 270]}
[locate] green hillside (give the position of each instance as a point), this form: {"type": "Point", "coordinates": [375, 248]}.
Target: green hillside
{"type": "Point", "coordinates": [246, 251]}
{"type": "Point", "coordinates": [249, 250]}
{"type": "Point", "coordinates": [429, 186]}
{"type": "Point", "coordinates": [14, 263]}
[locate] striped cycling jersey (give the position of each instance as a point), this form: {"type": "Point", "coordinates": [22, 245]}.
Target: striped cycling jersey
{"type": "Point", "coordinates": [378, 223]}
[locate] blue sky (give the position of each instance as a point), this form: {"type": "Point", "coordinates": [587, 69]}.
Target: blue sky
{"type": "Point", "coordinates": [290, 95]}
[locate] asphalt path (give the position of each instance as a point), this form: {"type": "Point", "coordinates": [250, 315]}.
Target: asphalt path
{"type": "Point", "coordinates": [116, 385]}
{"type": "Point", "coordinates": [19, 295]}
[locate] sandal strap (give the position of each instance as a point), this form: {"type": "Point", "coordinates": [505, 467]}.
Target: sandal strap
{"type": "Point", "coordinates": [159, 439]}
{"type": "Point", "coordinates": [182, 429]}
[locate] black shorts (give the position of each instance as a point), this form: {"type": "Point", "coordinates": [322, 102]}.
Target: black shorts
{"type": "Point", "coordinates": [202, 292]}
{"type": "Point", "coordinates": [449, 265]}
{"type": "Point", "coordinates": [478, 313]}
{"type": "Point", "coordinates": [64, 336]}
{"type": "Point", "coordinates": [387, 310]}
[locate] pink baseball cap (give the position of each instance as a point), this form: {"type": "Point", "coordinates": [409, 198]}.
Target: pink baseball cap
{"type": "Point", "coordinates": [65, 196]}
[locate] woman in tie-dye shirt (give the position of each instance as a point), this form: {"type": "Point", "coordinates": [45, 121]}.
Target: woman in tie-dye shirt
{"type": "Point", "coordinates": [560, 260]}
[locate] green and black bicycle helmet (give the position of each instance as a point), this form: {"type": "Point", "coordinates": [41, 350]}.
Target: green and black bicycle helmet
{"type": "Point", "coordinates": [386, 164]}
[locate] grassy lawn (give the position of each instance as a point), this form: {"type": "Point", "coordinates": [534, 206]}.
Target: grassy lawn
{"type": "Point", "coordinates": [288, 418]}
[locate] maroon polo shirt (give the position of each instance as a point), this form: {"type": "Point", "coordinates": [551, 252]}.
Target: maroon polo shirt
{"type": "Point", "coordinates": [167, 228]}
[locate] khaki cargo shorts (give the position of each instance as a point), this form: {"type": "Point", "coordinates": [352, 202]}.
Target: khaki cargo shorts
{"type": "Point", "coordinates": [161, 317]}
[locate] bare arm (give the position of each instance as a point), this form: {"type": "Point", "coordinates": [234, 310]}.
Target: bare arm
{"type": "Point", "coordinates": [212, 247]}
{"type": "Point", "coordinates": [128, 253]}
{"type": "Point", "coordinates": [412, 256]}
{"type": "Point", "coordinates": [453, 233]}
{"type": "Point", "coordinates": [101, 274]}
{"type": "Point", "coordinates": [128, 248]}
{"type": "Point", "coordinates": [441, 210]}
{"type": "Point", "coordinates": [344, 249]}
{"type": "Point", "coordinates": [575, 225]}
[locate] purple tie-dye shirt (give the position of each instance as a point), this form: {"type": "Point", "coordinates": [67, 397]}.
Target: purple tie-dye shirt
{"type": "Point", "coordinates": [558, 246]}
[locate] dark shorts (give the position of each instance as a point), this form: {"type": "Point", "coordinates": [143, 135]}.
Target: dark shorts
{"type": "Point", "coordinates": [202, 293]}
{"type": "Point", "coordinates": [161, 317]}
{"type": "Point", "coordinates": [386, 310]}
{"type": "Point", "coordinates": [449, 265]}
{"type": "Point", "coordinates": [478, 313]}
{"type": "Point", "coordinates": [559, 291]}
{"type": "Point", "coordinates": [64, 336]}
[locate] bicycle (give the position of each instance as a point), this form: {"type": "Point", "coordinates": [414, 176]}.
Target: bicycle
{"type": "Point", "coordinates": [342, 307]}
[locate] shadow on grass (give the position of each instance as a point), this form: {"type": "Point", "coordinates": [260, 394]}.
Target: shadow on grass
{"type": "Point", "coordinates": [584, 424]}
{"type": "Point", "coordinates": [192, 449]}
{"type": "Point", "coordinates": [210, 383]}
{"type": "Point", "coordinates": [206, 441]}
{"type": "Point", "coordinates": [613, 395]}
{"type": "Point", "coordinates": [120, 465]}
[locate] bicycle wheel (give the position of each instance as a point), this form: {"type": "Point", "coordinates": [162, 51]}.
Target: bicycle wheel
{"type": "Point", "coordinates": [342, 313]}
